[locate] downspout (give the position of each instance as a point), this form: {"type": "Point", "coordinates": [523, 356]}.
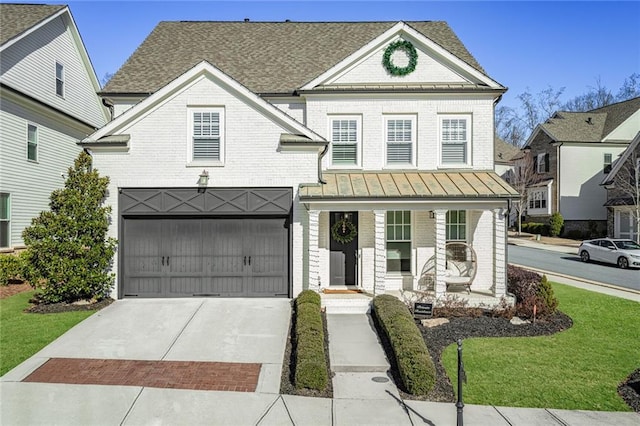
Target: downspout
{"type": "Point", "coordinates": [109, 104]}
{"type": "Point", "coordinates": [558, 175]}
{"type": "Point", "coordinates": [320, 157]}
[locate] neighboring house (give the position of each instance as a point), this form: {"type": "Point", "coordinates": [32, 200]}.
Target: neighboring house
{"type": "Point", "coordinates": [572, 152]}
{"type": "Point", "coordinates": [623, 194]}
{"type": "Point", "coordinates": [277, 157]}
{"type": "Point", "coordinates": [48, 101]}
{"type": "Point", "coordinates": [504, 156]}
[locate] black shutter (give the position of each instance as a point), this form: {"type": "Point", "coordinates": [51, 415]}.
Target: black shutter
{"type": "Point", "coordinates": [535, 164]}
{"type": "Point", "coordinates": [546, 162]}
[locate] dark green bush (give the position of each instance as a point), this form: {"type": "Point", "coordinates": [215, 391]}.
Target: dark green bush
{"type": "Point", "coordinates": [12, 267]}
{"type": "Point", "coordinates": [535, 228]}
{"type": "Point", "coordinates": [310, 360]}
{"type": "Point", "coordinates": [416, 369]}
{"type": "Point", "coordinates": [308, 296]}
{"type": "Point", "coordinates": [69, 253]}
{"type": "Point", "coordinates": [556, 222]}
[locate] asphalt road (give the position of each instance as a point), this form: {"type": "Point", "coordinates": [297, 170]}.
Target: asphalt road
{"type": "Point", "coordinates": [570, 264]}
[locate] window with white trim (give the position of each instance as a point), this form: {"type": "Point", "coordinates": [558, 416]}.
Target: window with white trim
{"type": "Point", "coordinates": [32, 142]}
{"type": "Point", "coordinates": [59, 79]}
{"type": "Point", "coordinates": [207, 135]}
{"type": "Point", "coordinates": [399, 241]}
{"type": "Point", "coordinates": [542, 162]}
{"type": "Point", "coordinates": [456, 225]}
{"type": "Point", "coordinates": [538, 199]}
{"type": "Point", "coordinates": [455, 139]}
{"type": "Point", "coordinates": [5, 220]}
{"type": "Point", "coordinates": [400, 140]}
{"type": "Point", "coordinates": [345, 140]}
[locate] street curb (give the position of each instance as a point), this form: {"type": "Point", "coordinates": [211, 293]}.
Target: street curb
{"type": "Point", "coordinates": [584, 280]}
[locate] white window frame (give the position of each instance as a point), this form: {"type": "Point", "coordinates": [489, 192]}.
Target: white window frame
{"type": "Point", "coordinates": [36, 142]}
{"type": "Point", "coordinates": [358, 141]}
{"type": "Point", "coordinates": [541, 194]}
{"type": "Point", "coordinates": [449, 222]}
{"type": "Point", "coordinates": [414, 140]}
{"type": "Point", "coordinates": [541, 164]}
{"type": "Point", "coordinates": [606, 162]}
{"type": "Point", "coordinates": [60, 80]}
{"type": "Point", "coordinates": [199, 162]}
{"type": "Point", "coordinates": [403, 238]}
{"type": "Point", "coordinates": [7, 220]}
{"type": "Point", "coordinates": [468, 118]}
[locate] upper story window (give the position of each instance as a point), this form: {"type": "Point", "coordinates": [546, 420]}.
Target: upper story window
{"type": "Point", "coordinates": [400, 140]}
{"type": "Point", "coordinates": [345, 140]}
{"type": "Point", "coordinates": [207, 135]}
{"type": "Point", "coordinates": [32, 142]}
{"type": "Point", "coordinates": [59, 79]}
{"type": "Point", "coordinates": [541, 163]}
{"type": "Point", "coordinates": [399, 241]}
{"type": "Point", "coordinates": [5, 220]}
{"type": "Point", "coordinates": [455, 137]}
{"type": "Point", "coordinates": [456, 225]}
{"type": "Point", "coordinates": [606, 167]}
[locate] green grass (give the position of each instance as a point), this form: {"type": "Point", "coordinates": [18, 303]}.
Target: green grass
{"type": "Point", "coordinates": [22, 335]}
{"type": "Point", "coordinates": [579, 368]}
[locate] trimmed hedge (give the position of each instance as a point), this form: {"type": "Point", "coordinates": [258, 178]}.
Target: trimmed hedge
{"type": "Point", "coordinates": [531, 289]}
{"type": "Point", "coordinates": [12, 267]}
{"type": "Point", "coordinates": [536, 228]}
{"type": "Point", "coordinates": [310, 360]}
{"type": "Point", "coordinates": [416, 369]}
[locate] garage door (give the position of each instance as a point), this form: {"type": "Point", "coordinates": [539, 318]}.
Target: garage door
{"type": "Point", "coordinates": [182, 256]}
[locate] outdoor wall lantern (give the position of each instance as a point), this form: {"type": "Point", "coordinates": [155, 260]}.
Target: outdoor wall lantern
{"type": "Point", "coordinates": [203, 181]}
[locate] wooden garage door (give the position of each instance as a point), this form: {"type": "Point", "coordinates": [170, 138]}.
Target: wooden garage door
{"type": "Point", "coordinates": [184, 257]}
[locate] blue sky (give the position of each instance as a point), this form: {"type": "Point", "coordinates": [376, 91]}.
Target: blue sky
{"type": "Point", "coordinates": [521, 44]}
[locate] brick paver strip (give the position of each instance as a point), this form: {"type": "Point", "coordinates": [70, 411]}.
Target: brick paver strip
{"type": "Point", "coordinates": [220, 376]}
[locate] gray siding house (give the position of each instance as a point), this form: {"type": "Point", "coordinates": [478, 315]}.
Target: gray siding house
{"type": "Point", "coordinates": [48, 101]}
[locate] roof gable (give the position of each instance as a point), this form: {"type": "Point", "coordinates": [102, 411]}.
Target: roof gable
{"type": "Point", "coordinates": [621, 160]}
{"type": "Point", "coordinates": [183, 82]}
{"type": "Point", "coordinates": [435, 66]}
{"type": "Point", "coordinates": [20, 19]}
{"type": "Point", "coordinates": [265, 57]}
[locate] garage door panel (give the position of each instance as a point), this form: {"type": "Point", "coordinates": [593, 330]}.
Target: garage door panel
{"type": "Point", "coordinates": [185, 286]}
{"type": "Point", "coordinates": [146, 287]}
{"type": "Point", "coordinates": [224, 286]}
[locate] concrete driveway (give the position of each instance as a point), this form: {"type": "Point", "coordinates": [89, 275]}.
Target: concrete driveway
{"type": "Point", "coordinates": [222, 330]}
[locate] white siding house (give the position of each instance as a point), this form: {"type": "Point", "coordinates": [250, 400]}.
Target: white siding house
{"type": "Point", "coordinates": [49, 101]}
{"type": "Point", "coordinates": [326, 168]}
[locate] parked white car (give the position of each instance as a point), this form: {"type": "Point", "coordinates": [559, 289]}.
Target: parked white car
{"type": "Point", "coordinates": [624, 253]}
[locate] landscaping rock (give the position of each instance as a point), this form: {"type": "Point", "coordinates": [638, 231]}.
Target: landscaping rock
{"type": "Point", "coordinates": [519, 321]}
{"type": "Point", "coordinates": [434, 322]}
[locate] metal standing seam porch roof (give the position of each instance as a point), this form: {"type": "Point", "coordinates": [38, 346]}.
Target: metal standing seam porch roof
{"type": "Point", "coordinates": [409, 184]}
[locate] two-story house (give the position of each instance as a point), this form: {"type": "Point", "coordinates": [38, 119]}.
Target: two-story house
{"type": "Point", "coordinates": [572, 152]}
{"type": "Point", "coordinates": [261, 158]}
{"type": "Point", "coordinates": [623, 194]}
{"type": "Point", "coordinates": [48, 101]}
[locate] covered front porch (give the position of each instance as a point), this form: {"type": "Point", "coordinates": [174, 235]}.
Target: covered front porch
{"type": "Point", "coordinates": [391, 232]}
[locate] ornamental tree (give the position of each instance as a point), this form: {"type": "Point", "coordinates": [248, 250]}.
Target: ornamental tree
{"type": "Point", "coordinates": [69, 254]}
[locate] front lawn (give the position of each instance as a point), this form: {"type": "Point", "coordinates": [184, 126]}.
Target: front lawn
{"type": "Point", "coordinates": [579, 368]}
{"type": "Point", "coordinates": [22, 335]}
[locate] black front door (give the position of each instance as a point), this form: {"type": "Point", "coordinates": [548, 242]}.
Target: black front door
{"type": "Point", "coordinates": [343, 233]}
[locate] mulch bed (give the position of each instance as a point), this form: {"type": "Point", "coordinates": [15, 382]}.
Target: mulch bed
{"type": "Point", "coordinates": [13, 288]}
{"type": "Point", "coordinates": [53, 308]}
{"type": "Point", "coordinates": [629, 390]}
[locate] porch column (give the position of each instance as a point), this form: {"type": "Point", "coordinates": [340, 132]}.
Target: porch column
{"type": "Point", "coordinates": [379, 251]}
{"type": "Point", "coordinates": [314, 251]}
{"type": "Point", "coordinates": [441, 255]}
{"type": "Point", "coordinates": [499, 253]}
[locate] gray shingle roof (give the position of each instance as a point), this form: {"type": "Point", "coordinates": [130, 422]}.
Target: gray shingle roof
{"type": "Point", "coordinates": [17, 18]}
{"type": "Point", "coordinates": [266, 57]}
{"type": "Point", "coordinates": [504, 152]}
{"type": "Point", "coordinates": [590, 126]}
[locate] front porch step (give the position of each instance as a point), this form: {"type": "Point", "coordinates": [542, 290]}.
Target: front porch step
{"type": "Point", "coordinates": [346, 303]}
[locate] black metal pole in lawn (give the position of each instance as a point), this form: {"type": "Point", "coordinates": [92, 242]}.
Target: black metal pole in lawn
{"type": "Point", "coordinates": [461, 377]}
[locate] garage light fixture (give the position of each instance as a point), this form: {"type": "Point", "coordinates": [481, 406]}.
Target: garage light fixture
{"type": "Point", "coordinates": [203, 181]}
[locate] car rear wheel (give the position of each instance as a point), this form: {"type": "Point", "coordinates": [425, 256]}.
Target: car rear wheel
{"type": "Point", "coordinates": [584, 256]}
{"type": "Point", "coordinates": [623, 263]}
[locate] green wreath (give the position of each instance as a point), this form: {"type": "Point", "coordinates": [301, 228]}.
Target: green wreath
{"type": "Point", "coordinates": [343, 231]}
{"type": "Point", "coordinates": [408, 49]}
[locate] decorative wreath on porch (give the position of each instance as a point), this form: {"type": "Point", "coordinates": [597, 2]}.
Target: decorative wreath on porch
{"type": "Point", "coordinates": [411, 52]}
{"type": "Point", "coordinates": [343, 231]}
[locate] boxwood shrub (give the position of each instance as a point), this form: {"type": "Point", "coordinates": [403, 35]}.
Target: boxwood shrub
{"type": "Point", "coordinates": [310, 360]}
{"type": "Point", "coordinates": [415, 367]}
